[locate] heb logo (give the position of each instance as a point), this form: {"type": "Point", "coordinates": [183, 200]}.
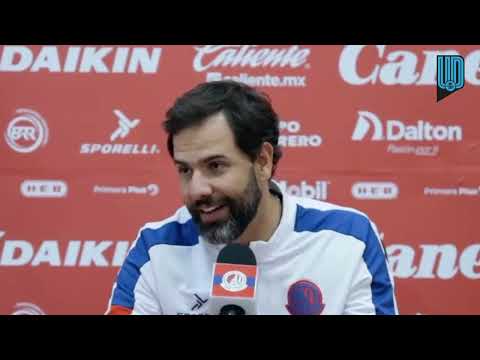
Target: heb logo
{"type": "Point", "coordinates": [44, 188]}
{"type": "Point", "coordinates": [375, 190]}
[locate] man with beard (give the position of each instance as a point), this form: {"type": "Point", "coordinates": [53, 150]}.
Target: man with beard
{"type": "Point", "coordinates": [313, 257]}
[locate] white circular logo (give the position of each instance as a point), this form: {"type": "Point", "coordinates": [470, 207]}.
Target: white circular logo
{"type": "Point", "coordinates": [234, 281]}
{"type": "Point", "coordinates": [24, 308]}
{"type": "Point", "coordinates": [27, 131]}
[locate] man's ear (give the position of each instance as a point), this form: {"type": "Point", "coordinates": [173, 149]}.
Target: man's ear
{"type": "Point", "coordinates": [264, 161]}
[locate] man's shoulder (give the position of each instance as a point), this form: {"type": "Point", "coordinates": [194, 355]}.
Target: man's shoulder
{"type": "Point", "coordinates": [180, 216]}
{"type": "Point", "coordinates": [177, 229]}
{"type": "Point", "coordinates": [315, 215]}
{"type": "Point", "coordinates": [324, 206]}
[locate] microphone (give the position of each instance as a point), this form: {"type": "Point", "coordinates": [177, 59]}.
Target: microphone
{"type": "Point", "coordinates": [234, 282]}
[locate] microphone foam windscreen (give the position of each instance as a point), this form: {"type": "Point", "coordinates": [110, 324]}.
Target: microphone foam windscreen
{"type": "Point", "coordinates": [237, 254]}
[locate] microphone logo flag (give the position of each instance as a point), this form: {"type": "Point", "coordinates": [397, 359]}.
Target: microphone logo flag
{"type": "Point", "coordinates": [234, 280]}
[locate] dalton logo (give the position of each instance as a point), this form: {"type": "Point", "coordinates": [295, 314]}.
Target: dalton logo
{"type": "Point", "coordinates": [375, 190]}
{"type": "Point", "coordinates": [44, 188]}
{"type": "Point", "coordinates": [450, 75]}
{"type": "Point", "coordinates": [365, 118]}
{"type": "Point", "coordinates": [397, 130]}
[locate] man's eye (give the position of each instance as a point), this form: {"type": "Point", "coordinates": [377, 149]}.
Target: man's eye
{"type": "Point", "coordinates": [183, 170]}
{"type": "Point", "coordinates": [216, 165]}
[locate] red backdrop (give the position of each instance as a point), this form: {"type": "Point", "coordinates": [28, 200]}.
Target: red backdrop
{"type": "Point", "coordinates": [360, 125]}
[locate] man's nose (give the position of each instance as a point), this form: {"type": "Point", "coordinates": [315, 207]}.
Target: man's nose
{"type": "Point", "coordinates": [199, 187]}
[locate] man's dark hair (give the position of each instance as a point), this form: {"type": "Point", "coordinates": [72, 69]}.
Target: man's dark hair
{"type": "Point", "coordinates": [249, 114]}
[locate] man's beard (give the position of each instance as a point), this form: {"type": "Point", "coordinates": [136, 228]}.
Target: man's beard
{"type": "Point", "coordinates": [241, 213]}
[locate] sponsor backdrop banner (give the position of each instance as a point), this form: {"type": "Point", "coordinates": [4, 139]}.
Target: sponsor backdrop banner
{"type": "Point", "coordinates": [84, 162]}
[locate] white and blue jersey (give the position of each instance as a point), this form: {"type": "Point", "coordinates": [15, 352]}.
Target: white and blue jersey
{"type": "Point", "coordinates": [321, 259]}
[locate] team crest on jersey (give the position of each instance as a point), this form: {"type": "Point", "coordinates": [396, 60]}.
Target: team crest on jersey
{"type": "Point", "coordinates": [305, 298]}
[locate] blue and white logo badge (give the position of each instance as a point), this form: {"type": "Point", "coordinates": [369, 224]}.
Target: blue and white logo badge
{"type": "Point", "coordinates": [450, 75]}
